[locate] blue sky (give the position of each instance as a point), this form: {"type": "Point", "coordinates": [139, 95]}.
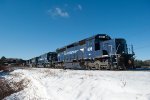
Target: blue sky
{"type": "Point", "coordinates": [29, 28]}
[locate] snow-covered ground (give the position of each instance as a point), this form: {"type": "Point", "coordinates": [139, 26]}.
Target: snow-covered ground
{"type": "Point", "coordinates": [57, 84]}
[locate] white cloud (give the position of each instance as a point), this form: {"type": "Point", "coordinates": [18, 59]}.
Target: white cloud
{"type": "Point", "coordinates": [58, 12]}
{"type": "Point", "coordinates": [79, 7]}
{"type": "Point", "coordinates": [63, 11]}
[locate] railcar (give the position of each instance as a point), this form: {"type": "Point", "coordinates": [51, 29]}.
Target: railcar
{"type": "Point", "coordinates": [96, 52]}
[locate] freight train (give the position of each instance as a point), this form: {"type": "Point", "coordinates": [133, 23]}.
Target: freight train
{"type": "Point", "coordinates": [97, 52]}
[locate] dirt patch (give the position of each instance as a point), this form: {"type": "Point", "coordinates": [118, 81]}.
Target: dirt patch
{"type": "Point", "coordinates": [8, 87]}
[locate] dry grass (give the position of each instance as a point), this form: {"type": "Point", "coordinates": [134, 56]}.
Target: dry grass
{"type": "Point", "coordinates": [48, 73]}
{"type": "Point", "coordinates": [9, 87]}
{"type": "Point", "coordinates": [6, 69]}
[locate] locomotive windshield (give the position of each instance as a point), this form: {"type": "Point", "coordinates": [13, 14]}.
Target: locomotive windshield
{"type": "Point", "coordinates": [121, 46]}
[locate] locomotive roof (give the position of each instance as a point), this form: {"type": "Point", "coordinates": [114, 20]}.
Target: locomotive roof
{"type": "Point", "coordinates": [48, 53]}
{"type": "Point", "coordinates": [75, 43]}
{"type": "Point", "coordinates": [42, 55]}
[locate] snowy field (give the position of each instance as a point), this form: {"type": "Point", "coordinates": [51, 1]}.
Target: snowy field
{"type": "Point", "coordinates": [57, 84]}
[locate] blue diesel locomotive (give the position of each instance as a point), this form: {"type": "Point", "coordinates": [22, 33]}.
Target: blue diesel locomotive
{"type": "Point", "coordinates": [96, 52]}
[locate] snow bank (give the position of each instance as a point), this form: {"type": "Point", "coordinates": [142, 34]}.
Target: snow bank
{"type": "Point", "coordinates": [55, 84]}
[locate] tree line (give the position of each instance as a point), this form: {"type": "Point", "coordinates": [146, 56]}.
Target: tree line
{"type": "Point", "coordinates": [140, 63]}
{"type": "Point", "coordinates": [11, 61]}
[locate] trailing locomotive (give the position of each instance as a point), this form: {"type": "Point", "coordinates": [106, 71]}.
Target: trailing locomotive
{"type": "Point", "coordinates": [46, 60]}
{"type": "Point", "coordinates": [96, 52]}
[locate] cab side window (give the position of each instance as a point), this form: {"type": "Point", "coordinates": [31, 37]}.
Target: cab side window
{"type": "Point", "coordinates": [97, 44]}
